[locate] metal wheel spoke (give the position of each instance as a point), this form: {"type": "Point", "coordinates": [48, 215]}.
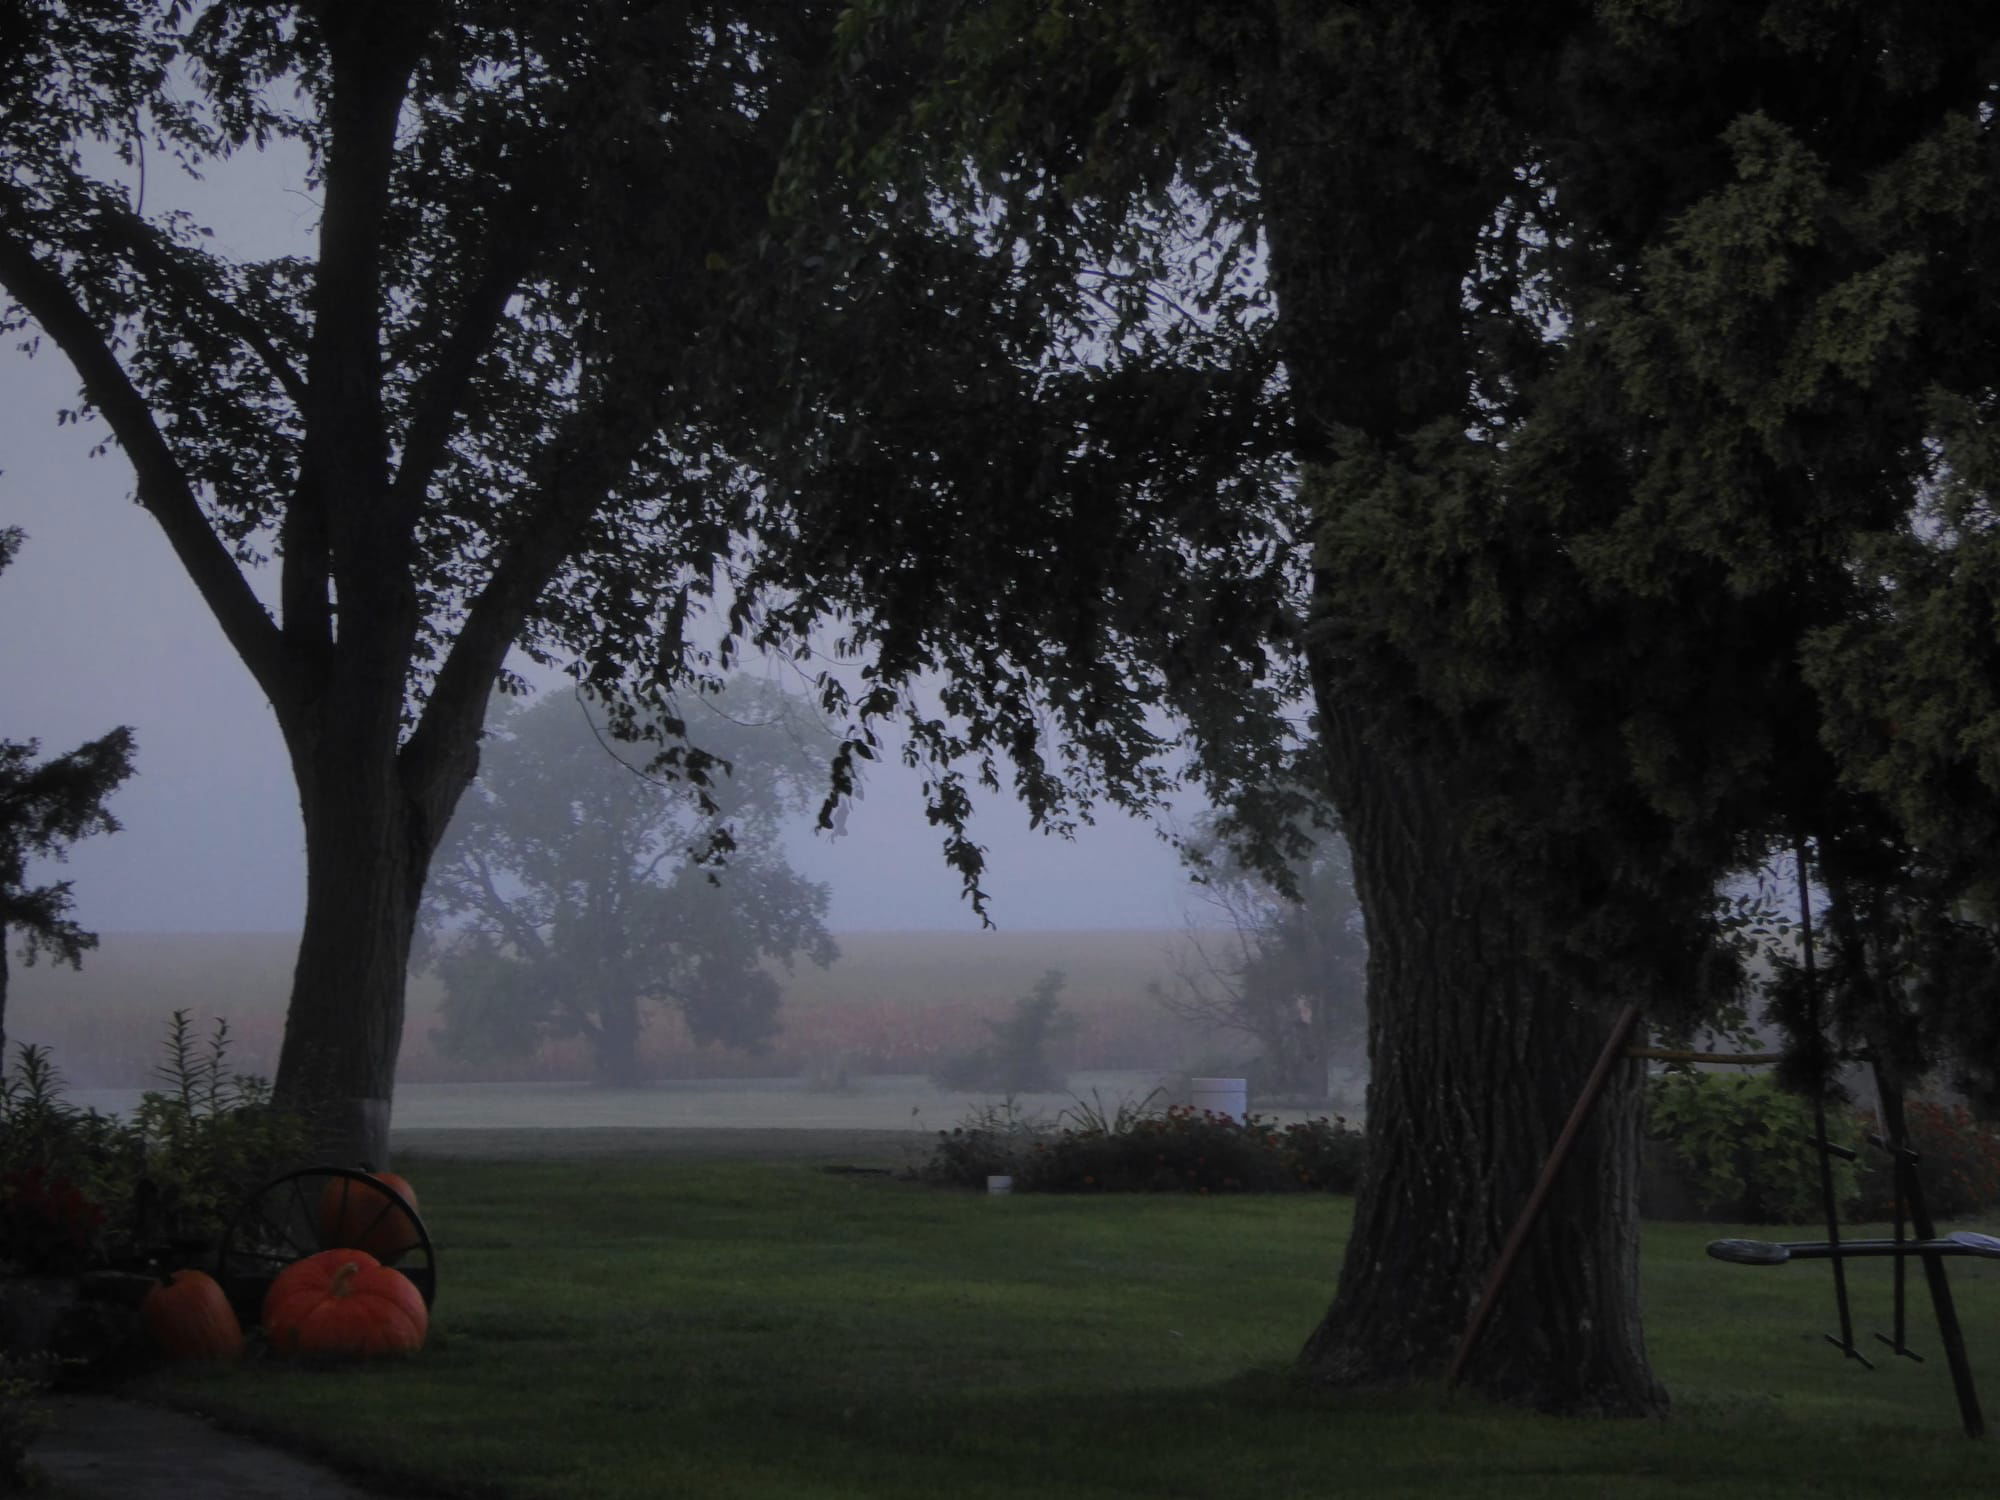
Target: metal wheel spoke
{"type": "Point", "coordinates": [303, 1215]}
{"type": "Point", "coordinates": [266, 1235]}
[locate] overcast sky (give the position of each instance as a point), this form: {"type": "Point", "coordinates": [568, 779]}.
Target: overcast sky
{"type": "Point", "coordinates": [99, 627]}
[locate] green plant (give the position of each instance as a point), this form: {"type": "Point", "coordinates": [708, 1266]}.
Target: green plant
{"type": "Point", "coordinates": [1744, 1145]}
{"type": "Point", "coordinates": [23, 1379]}
{"type": "Point", "coordinates": [1133, 1146]}
{"type": "Point", "coordinates": [1958, 1163]}
{"type": "Point", "coordinates": [211, 1136]}
{"type": "Point", "coordinates": [1176, 1149]}
{"type": "Point", "coordinates": [1016, 1061]}
{"type": "Point", "coordinates": [1326, 1154]}
{"type": "Point", "coordinates": [993, 1140]}
{"type": "Point", "coordinates": [80, 1188]}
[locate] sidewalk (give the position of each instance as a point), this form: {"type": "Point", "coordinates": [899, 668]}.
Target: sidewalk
{"type": "Point", "coordinates": [102, 1448]}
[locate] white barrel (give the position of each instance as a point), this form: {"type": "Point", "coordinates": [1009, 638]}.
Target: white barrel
{"type": "Point", "coordinates": [1223, 1096]}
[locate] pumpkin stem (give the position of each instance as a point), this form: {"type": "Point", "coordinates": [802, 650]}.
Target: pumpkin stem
{"type": "Point", "coordinates": [341, 1277]}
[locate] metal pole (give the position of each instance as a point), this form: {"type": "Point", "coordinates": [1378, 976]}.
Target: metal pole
{"type": "Point", "coordinates": [1949, 1332]}
{"type": "Point", "coordinates": [1845, 1343]}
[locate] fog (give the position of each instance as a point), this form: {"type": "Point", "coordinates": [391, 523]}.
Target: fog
{"type": "Point", "coordinates": [199, 894]}
{"type": "Point", "coordinates": [99, 627]}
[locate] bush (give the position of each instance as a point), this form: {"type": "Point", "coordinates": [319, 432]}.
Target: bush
{"type": "Point", "coordinates": [1744, 1145]}
{"type": "Point", "coordinates": [1326, 1154]}
{"type": "Point", "coordinates": [22, 1380]}
{"type": "Point", "coordinates": [1136, 1148]}
{"type": "Point", "coordinates": [80, 1189]}
{"type": "Point", "coordinates": [1958, 1163]}
{"type": "Point", "coordinates": [1180, 1149]}
{"type": "Point", "coordinates": [1016, 1061]}
{"type": "Point", "coordinates": [994, 1141]}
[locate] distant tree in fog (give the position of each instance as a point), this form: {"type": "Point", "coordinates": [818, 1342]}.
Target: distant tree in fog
{"type": "Point", "coordinates": [579, 891]}
{"type": "Point", "coordinates": [44, 808]}
{"type": "Point", "coordinates": [1016, 1061]}
{"type": "Point", "coordinates": [1288, 970]}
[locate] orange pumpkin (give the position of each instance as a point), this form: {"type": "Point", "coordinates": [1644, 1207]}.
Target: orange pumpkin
{"type": "Point", "coordinates": [344, 1302]}
{"type": "Point", "coordinates": [357, 1213]}
{"type": "Point", "coordinates": [188, 1316]}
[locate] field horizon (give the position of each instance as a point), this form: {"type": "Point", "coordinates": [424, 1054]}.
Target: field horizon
{"type": "Point", "coordinates": [894, 1002]}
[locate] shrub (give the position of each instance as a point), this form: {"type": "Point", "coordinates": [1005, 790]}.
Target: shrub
{"type": "Point", "coordinates": [1744, 1145]}
{"type": "Point", "coordinates": [22, 1380]}
{"type": "Point", "coordinates": [1016, 1060]}
{"type": "Point", "coordinates": [1136, 1148]}
{"type": "Point", "coordinates": [993, 1141]}
{"type": "Point", "coordinates": [1326, 1154]}
{"type": "Point", "coordinates": [1958, 1163]}
{"type": "Point", "coordinates": [80, 1189]}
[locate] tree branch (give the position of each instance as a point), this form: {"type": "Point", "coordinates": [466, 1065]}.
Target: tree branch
{"type": "Point", "coordinates": [373, 49]}
{"type": "Point", "coordinates": [440, 394]}
{"type": "Point", "coordinates": [143, 246]}
{"type": "Point", "coordinates": [521, 934]}
{"type": "Point", "coordinates": [598, 450]}
{"type": "Point", "coordinates": [162, 486]}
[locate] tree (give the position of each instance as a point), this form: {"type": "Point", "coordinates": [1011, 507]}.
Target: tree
{"type": "Point", "coordinates": [1016, 1061]}
{"type": "Point", "coordinates": [465, 422]}
{"type": "Point", "coordinates": [44, 808]}
{"type": "Point", "coordinates": [579, 890]}
{"type": "Point", "coordinates": [538, 385]}
{"type": "Point", "coordinates": [1584, 375]}
{"type": "Point", "coordinates": [1287, 967]}
{"type": "Point", "coordinates": [1368, 154]}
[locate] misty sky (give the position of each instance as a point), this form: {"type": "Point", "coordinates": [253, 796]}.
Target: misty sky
{"type": "Point", "coordinates": [99, 627]}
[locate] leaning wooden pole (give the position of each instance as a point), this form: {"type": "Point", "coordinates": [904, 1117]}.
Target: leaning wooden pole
{"type": "Point", "coordinates": [1845, 1342]}
{"type": "Point", "coordinates": [1593, 1090]}
{"type": "Point", "coordinates": [1950, 1333]}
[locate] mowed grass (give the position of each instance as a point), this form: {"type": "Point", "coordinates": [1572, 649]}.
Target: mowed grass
{"type": "Point", "coordinates": [656, 1327]}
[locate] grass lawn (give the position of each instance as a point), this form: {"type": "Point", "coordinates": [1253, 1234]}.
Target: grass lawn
{"type": "Point", "coordinates": [658, 1327]}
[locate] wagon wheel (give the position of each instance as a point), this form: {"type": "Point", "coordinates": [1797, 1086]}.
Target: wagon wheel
{"type": "Point", "coordinates": [282, 1222]}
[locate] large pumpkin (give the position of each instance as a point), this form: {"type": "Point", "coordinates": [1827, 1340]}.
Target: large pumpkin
{"type": "Point", "coordinates": [188, 1316]}
{"type": "Point", "coordinates": [358, 1213]}
{"type": "Point", "coordinates": [344, 1302]}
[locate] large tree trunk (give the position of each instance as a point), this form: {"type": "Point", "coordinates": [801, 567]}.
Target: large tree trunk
{"type": "Point", "coordinates": [1379, 170]}
{"type": "Point", "coordinates": [364, 877]}
{"type": "Point", "coordinates": [370, 834]}
{"type": "Point", "coordinates": [1477, 1059]}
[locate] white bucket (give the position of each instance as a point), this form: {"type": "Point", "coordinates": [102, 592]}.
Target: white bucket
{"type": "Point", "coordinates": [1222, 1096]}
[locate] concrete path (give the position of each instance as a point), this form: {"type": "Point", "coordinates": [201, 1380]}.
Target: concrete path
{"type": "Point", "coordinates": [102, 1448]}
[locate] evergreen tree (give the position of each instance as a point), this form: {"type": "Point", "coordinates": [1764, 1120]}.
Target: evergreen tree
{"type": "Point", "coordinates": [44, 808]}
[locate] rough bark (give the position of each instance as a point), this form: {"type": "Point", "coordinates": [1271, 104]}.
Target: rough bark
{"type": "Point", "coordinates": [1477, 1059]}
{"type": "Point", "coordinates": [1373, 208]}
{"type": "Point", "coordinates": [373, 818]}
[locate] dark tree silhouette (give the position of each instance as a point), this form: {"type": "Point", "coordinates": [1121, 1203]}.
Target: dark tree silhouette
{"type": "Point", "coordinates": [45, 807]}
